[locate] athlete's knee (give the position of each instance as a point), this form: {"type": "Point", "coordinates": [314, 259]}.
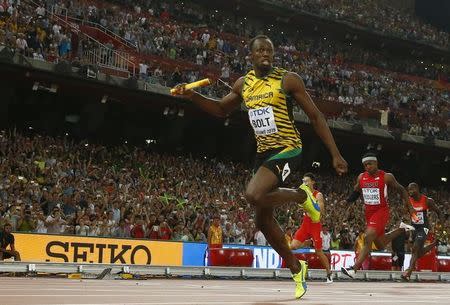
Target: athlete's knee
{"type": "Point", "coordinates": [416, 247]}
{"type": "Point", "coordinates": [371, 235]}
{"type": "Point", "coordinates": [253, 196]}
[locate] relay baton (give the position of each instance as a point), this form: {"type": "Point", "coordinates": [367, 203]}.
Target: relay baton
{"type": "Point", "coordinates": [200, 83]}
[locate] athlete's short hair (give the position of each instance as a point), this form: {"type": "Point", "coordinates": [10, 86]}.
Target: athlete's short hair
{"type": "Point", "coordinates": [252, 41]}
{"type": "Point", "coordinates": [310, 176]}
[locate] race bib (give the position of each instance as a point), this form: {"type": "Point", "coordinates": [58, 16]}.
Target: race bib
{"type": "Point", "coordinates": [263, 121]}
{"type": "Point", "coordinates": [371, 196]}
{"type": "Point", "coordinates": [420, 219]}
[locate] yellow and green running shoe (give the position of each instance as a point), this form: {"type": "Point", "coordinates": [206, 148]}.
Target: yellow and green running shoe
{"type": "Point", "coordinates": [310, 206]}
{"type": "Point", "coordinates": [300, 280]}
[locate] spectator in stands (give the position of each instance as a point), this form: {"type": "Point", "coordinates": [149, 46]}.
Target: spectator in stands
{"type": "Point", "coordinates": [186, 235]}
{"type": "Point", "coordinates": [215, 236]}
{"type": "Point", "coordinates": [199, 236]}
{"type": "Point", "coordinates": [143, 71]}
{"type": "Point", "coordinates": [54, 222]}
{"type": "Point", "coordinates": [260, 239]}
{"type": "Point", "coordinates": [228, 234]}
{"type": "Point", "coordinates": [26, 222]}
{"type": "Point", "coordinates": [326, 238]}
{"type": "Point", "coordinates": [82, 229]}
{"type": "Point", "coordinates": [165, 232]}
{"type": "Point", "coordinates": [21, 44]}
{"type": "Point", "coordinates": [122, 231]}
{"type": "Point", "coordinates": [7, 240]}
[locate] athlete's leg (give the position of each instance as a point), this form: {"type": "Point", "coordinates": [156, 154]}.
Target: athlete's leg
{"type": "Point", "coordinates": [300, 237]}
{"type": "Point", "coordinates": [260, 192]}
{"type": "Point", "coordinates": [428, 248]}
{"type": "Point", "coordinates": [269, 195]}
{"type": "Point", "coordinates": [315, 229]}
{"type": "Point", "coordinates": [379, 221]}
{"type": "Point", "coordinates": [324, 260]}
{"type": "Point", "coordinates": [296, 244]}
{"type": "Point", "coordinates": [371, 235]}
{"type": "Point", "coordinates": [418, 250]}
{"type": "Point", "coordinates": [266, 222]}
{"type": "Point", "coordinates": [415, 254]}
{"type": "Point", "coordinates": [382, 241]}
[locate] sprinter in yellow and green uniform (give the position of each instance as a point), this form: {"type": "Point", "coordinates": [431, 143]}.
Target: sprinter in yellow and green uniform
{"type": "Point", "coordinates": [269, 94]}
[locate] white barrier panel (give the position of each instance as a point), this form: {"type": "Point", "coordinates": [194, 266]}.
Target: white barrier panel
{"type": "Point", "coordinates": [341, 259]}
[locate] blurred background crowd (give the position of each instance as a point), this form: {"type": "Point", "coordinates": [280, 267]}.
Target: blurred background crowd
{"type": "Point", "coordinates": [60, 186]}
{"type": "Point", "coordinates": [380, 16]}
{"type": "Point", "coordinates": [196, 39]}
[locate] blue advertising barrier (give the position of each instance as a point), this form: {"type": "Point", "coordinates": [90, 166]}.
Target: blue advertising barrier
{"type": "Point", "coordinates": [195, 254]}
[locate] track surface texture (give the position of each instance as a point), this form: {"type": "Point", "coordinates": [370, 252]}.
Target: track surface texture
{"type": "Point", "coordinates": [32, 291]}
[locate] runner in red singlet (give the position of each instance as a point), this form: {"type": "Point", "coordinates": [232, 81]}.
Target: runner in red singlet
{"type": "Point", "coordinates": [373, 185]}
{"type": "Point", "coordinates": [421, 204]}
{"type": "Point", "coordinates": [311, 230]}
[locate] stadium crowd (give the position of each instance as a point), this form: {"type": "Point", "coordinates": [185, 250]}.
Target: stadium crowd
{"type": "Point", "coordinates": [55, 185]}
{"type": "Point", "coordinates": [161, 30]}
{"type": "Point", "coordinates": [380, 16]}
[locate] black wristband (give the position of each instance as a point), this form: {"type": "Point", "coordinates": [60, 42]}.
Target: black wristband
{"type": "Point", "coordinates": [353, 196]}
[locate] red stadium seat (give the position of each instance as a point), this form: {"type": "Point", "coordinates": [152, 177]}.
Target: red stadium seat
{"type": "Point", "coordinates": [443, 265]}
{"type": "Point", "coordinates": [314, 261]}
{"type": "Point", "coordinates": [380, 262]}
{"type": "Point", "coordinates": [311, 258]}
{"type": "Point", "coordinates": [230, 257]}
{"type": "Point", "coordinates": [240, 257]}
{"type": "Point", "coordinates": [301, 256]}
{"type": "Point", "coordinates": [217, 257]}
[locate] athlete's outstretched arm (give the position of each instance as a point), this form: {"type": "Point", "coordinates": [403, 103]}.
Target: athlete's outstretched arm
{"type": "Point", "coordinates": [294, 86]}
{"type": "Point", "coordinates": [390, 180]}
{"type": "Point", "coordinates": [356, 191]}
{"type": "Point", "coordinates": [220, 108]}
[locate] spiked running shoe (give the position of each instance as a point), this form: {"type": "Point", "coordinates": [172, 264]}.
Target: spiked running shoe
{"type": "Point", "coordinates": [329, 278]}
{"type": "Point", "coordinates": [310, 205]}
{"type": "Point", "coordinates": [350, 272]}
{"type": "Point", "coordinates": [407, 227]}
{"type": "Point", "coordinates": [300, 282]}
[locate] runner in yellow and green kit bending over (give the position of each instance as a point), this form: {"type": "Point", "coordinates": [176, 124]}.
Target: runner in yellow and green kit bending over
{"type": "Point", "coordinates": [269, 94]}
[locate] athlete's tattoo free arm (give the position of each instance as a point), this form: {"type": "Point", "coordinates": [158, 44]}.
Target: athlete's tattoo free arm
{"type": "Point", "coordinates": [321, 201]}
{"type": "Point", "coordinates": [390, 180]}
{"type": "Point", "coordinates": [294, 86]}
{"type": "Point", "coordinates": [355, 194]}
{"type": "Point", "coordinates": [433, 207]}
{"type": "Point", "coordinates": [357, 187]}
{"type": "Point", "coordinates": [220, 108]}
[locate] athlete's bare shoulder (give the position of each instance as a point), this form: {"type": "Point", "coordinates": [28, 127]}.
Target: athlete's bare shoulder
{"type": "Point", "coordinates": [389, 177]}
{"type": "Point", "coordinates": [238, 85]}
